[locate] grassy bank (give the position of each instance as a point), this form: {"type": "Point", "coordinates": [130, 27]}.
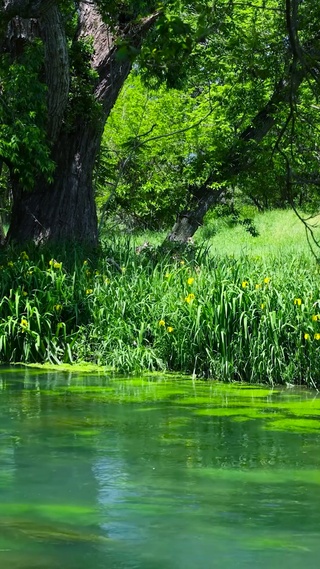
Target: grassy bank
{"type": "Point", "coordinates": [279, 231]}
{"type": "Point", "coordinates": [232, 316]}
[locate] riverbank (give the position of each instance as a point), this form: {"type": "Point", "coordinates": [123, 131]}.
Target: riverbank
{"type": "Point", "coordinates": [232, 317]}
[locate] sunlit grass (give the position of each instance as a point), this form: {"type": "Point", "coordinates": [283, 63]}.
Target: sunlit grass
{"type": "Point", "coordinates": [280, 231]}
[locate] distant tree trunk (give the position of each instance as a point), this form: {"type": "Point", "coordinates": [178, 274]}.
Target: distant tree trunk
{"type": "Point", "coordinates": [2, 235]}
{"type": "Point", "coordinates": [64, 210]}
{"type": "Point", "coordinates": [189, 221]}
{"type": "Point", "coordinates": [237, 160]}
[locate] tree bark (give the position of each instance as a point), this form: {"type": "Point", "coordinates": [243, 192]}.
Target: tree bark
{"type": "Point", "coordinates": [2, 235]}
{"type": "Point", "coordinates": [189, 221]}
{"type": "Point", "coordinates": [56, 68]}
{"type": "Point", "coordinates": [63, 211]}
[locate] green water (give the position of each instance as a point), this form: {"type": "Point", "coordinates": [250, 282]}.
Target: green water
{"type": "Point", "coordinates": [102, 473]}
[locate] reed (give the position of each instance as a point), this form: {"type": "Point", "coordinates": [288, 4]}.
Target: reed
{"type": "Point", "coordinates": [246, 318]}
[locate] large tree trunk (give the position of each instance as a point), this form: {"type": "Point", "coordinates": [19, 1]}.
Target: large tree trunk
{"type": "Point", "coordinates": [63, 210]}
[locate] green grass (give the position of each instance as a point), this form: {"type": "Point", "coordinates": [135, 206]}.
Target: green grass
{"type": "Point", "coordinates": [280, 231]}
{"type": "Point", "coordinates": [234, 313]}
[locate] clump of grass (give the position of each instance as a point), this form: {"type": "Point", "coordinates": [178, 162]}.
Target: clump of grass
{"type": "Point", "coordinates": [244, 318]}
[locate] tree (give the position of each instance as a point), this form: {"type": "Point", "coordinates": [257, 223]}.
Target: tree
{"type": "Point", "coordinates": [275, 49]}
{"type": "Point", "coordinates": [62, 67]}
{"type": "Point", "coordinates": [189, 136]}
{"type": "Point", "coordinates": [63, 64]}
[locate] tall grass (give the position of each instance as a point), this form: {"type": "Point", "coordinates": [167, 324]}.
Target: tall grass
{"type": "Point", "coordinates": [231, 318]}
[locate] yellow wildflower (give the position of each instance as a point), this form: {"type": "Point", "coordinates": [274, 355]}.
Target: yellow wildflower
{"type": "Point", "coordinates": [24, 292]}
{"type": "Point", "coordinates": [24, 323]}
{"type": "Point", "coordinates": [182, 262]}
{"type": "Point", "coordinates": [24, 256]}
{"type": "Point", "coordinates": [315, 317]}
{"type": "Point", "coordinates": [170, 329]}
{"type": "Point", "coordinates": [317, 336]}
{"type": "Point", "coordinates": [123, 269]}
{"type": "Point", "coordinates": [266, 280]}
{"type": "Point", "coordinates": [189, 298]}
{"type": "Point", "coordinates": [297, 301]}
{"type": "Point", "coordinates": [57, 307]}
{"type": "Point", "coordinates": [245, 284]}
{"type": "Point", "coordinates": [190, 280]}
{"type": "Point", "coordinates": [89, 291]}
{"type": "Point", "coordinates": [258, 286]}
{"type": "Point", "coordinates": [85, 262]}
{"type": "Point", "coordinates": [53, 263]}
{"type": "Point", "coordinates": [162, 323]}
{"type": "Point", "coordinates": [262, 306]}
{"type": "Point", "coordinates": [307, 336]}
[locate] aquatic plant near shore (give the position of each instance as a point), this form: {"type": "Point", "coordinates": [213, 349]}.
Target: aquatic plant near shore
{"type": "Point", "coordinates": [212, 317]}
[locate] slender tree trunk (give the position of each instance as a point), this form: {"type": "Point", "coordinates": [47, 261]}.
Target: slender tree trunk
{"type": "Point", "coordinates": [237, 160]}
{"type": "Point", "coordinates": [189, 221]}
{"type": "Point", "coordinates": [2, 235]}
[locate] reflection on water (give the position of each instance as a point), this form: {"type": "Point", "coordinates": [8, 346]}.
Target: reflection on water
{"type": "Point", "coordinates": [103, 473]}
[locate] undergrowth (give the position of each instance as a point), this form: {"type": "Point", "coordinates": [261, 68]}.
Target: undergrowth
{"type": "Point", "coordinates": [219, 317]}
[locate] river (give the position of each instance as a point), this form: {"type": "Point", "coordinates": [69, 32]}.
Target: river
{"type": "Point", "coordinates": [100, 472]}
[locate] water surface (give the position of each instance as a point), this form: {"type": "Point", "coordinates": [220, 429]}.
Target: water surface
{"type": "Point", "coordinates": [99, 472]}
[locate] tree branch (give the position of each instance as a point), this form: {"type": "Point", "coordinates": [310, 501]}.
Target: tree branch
{"type": "Point", "coordinates": [111, 69]}
{"type": "Point", "coordinates": [25, 8]}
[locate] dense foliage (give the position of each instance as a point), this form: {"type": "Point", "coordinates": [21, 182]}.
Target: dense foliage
{"type": "Point", "coordinates": [241, 109]}
{"type": "Point", "coordinates": [152, 150]}
{"type": "Point", "coordinates": [244, 118]}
